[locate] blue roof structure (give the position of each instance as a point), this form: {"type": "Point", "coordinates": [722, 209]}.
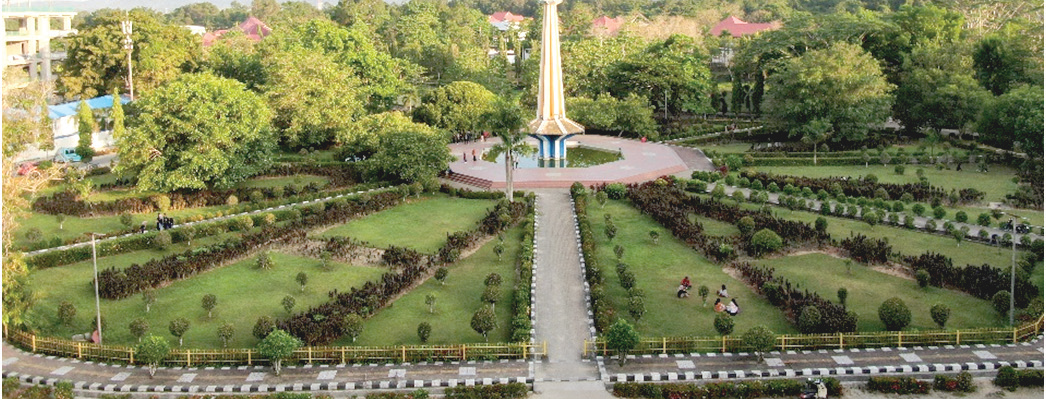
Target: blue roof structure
{"type": "Point", "coordinates": [69, 108]}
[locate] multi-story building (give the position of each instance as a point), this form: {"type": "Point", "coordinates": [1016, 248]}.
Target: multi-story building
{"type": "Point", "coordinates": [27, 37]}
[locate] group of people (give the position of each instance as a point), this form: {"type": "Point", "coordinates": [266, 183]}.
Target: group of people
{"type": "Point", "coordinates": [465, 158]}
{"type": "Point", "coordinates": [163, 222]}
{"type": "Point", "coordinates": [730, 308]}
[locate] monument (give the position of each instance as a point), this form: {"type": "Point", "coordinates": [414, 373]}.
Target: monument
{"type": "Point", "coordinates": [551, 127]}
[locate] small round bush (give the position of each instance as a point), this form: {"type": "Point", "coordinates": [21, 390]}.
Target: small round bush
{"type": "Point", "coordinates": [939, 212]}
{"type": "Point", "coordinates": [1007, 378]}
{"type": "Point", "coordinates": [984, 219]}
{"type": "Point", "coordinates": [1001, 302]}
{"type": "Point", "coordinates": [961, 217]}
{"type": "Point", "coordinates": [809, 320]}
{"type": "Point", "coordinates": [871, 178]}
{"type": "Point", "coordinates": [940, 314]}
{"type": "Point", "coordinates": [772, 187]}
{"type": "Point", "coordinates": [746, 225]}
{"type": "Point", "coordinates": [870, 217]}
{"type": "Point", "coordinates": [895, 314]}
{"type": "Point", "coordinates": [757, 184]}
{"type": "Point", "coordinates": [821, 224]}
{"type": "Point", "coordinates": [923, 278]}
{"type": "Point", "coordinates": [931, 226]}
{"type": "Point", "coordinates": [162, 241]}
{"type": "Point", "coordinates": [899, 169]}
{"type": "Point", "coordinates": [765, 241]}
{"type": "Point", "coordinates": [919, 209]}
{"type": "Point", "coordinates": [724, 323]}
{"type": "Point", "coordinates": [898, 206]}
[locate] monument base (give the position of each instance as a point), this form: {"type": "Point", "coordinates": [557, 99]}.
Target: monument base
{"type": "Point", "coordinates": [552, 146]}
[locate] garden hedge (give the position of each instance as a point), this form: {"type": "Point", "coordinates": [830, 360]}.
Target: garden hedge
{"type": "Point", "coordinates": [721, 390]}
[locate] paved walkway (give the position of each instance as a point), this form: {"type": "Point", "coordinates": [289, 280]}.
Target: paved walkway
{"type": "Point", "coordinates": [561, 313]}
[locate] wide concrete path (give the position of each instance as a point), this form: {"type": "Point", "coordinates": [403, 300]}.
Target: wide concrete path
{"type": "Point", "coordinates": [561, 314]}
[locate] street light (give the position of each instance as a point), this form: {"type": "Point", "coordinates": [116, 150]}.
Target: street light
{"type": "Point", "coordinates": [1013, 260]}
{"type": "Point", "coordinates": [97, 300]}
{"type": "Point", "coordinates": [128, 44]}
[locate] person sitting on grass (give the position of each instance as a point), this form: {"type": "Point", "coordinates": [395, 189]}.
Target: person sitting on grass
{"type": "Point", "coordinates": [719, 306]}
{"type": "Point", "coordinates": [685, 282]}
{"type": "Point", "coordinates": [683, 292]}
{"type": "Point", "coordinates": [732, 308]}
{"type": "Point", "coordinates": [722, 292]}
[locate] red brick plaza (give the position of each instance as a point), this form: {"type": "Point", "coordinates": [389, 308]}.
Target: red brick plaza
{"type": "Point", "coordinates": [642, 162]}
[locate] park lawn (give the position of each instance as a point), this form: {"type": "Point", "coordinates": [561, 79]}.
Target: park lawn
{"type": "Point", "coordinates": [867, 289]}
{"type": "Point", "coordinates": [421, 225]}
{"type": "Point", "coordinates": [121, 261]}
{"type": "Point", "coordinates": [456, 301]}
{"type": "Point", "coordinates": [905, 241]}
{"type": "Point", "coordinates": [282, 181]}
{"type": "Point", "coordinates": [659, 269]}
{"type": "Point", "coordinates": [995, 184]}
{"type": "Point", "coordinates": [244, 293]}
{"type": "Point", "coordinates": [714, 227]}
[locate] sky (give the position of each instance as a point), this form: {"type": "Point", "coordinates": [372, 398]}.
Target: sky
{"type": "Point", "coordinates": [160, 5]}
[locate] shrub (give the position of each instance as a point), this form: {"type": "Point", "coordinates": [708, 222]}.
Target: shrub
{"type": "Point", "coordinates": [984, 219]}
{"type": "Point", "coordinates": [724, 323]}
{"type": "Point", "coordinates": [66, 313]}
{"type": "Point", "coordinates": [895, 314]}
{"type": "Point", "coordinates": [127, 220]}
{"type": "Point", "coordinates": [636, 307]}
{"type": "Point", "coordinates": [441, 275]}
{"type": "Point", "coordinates": [922, 277]}
{"type": "Point", "coordinates": [821, 224]}
{"type": "Point", "coordinates": [899, 169]}
{"type": "Point", "coordinates": [232, 200]}
{"type": "Point", "coordinates": [961, 217]}
{"type": "Point", "coordinates": [809, 320]}
{"type": "Point", "coordinates": [615, 191]}
{"type": "Point", "coordinates": [424, 330]}
{"type": "Point", "coordinates": [919, 209]}
{"type": "Point", "coordinates": [138, 328]}
{"type": "Point", "coordinates": [746, 225]}
{"type": "Point", "coordinates": [871, 178]}
{"type": "Point", "coordinates": [1007, 378]}
{"type": "Point", "coordinates": [870, 217]}
{"type": "Point", "coordinates": [162, 241]}
{"type": "Point", "coordinates": [1001, 302]}
{"type": "Point", "coordinates": [898, 385]}
{"type": "Point", "coordinates": [765, 241]}
{"type": "Point", "coordinates": [264, 261]}
{"type": "Point", "coordinates": [940, 314]}
{"type": "Point", "coordinates": [939, 212]}
{"type": "Point", "coordinates": [263, 327]}
{"type": "Point", "coordinates": [842, 294]}
{"type": "Point", "coordinates": [931, 226]}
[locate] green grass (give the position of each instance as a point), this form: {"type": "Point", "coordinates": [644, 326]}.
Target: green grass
{"type": "Point", "coordinates": [281, 181]}
{"type": "Point", "coordinates": [995, 184]}
{"type": "Point", "coordinates": [244, 294]}
{"type": "Point", "coordinates": [868, 289]}
{"type": "Point", "coordinates": [422, 225]}
{"type": "Point", "coordinates": [659, 269]}
{"type": "Point", "coordinates": [714, 227]}
{"type": "Point", "coordinates": [456, 301]}
{"type": "Point", "coordinates": [907, 242]}
{"type": "Point", "coordinates": [729, 148]}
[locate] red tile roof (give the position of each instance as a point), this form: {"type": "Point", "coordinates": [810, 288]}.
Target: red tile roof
{"type": "Point", "coordinates": [737, 28]}
{"type": "Point", "coordinates": [611, 25]}
{"type": "Point", "coordinates": [502, 16]}
{"type": "Point", "coordinates": [253, 28]}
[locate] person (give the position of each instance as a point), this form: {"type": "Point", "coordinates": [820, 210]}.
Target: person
{"type": "Point", "coordinates": [159, 222]}
{"type": "Point", "coordinates": [683, 292]}
{"type": "Point", "coordinates": [722, 292]}
{"type": "Point", "coordinates": [718, 306]}
{"type": "Point", "coordinates": [473, 155]}
{"type": "Point", "coordinates": [732, 308]}
{"type": "Point", "coordinates": [465, 157]}
{"type": "Point", "coordinates": [144, 227]}
{"type": "Point", "coordinates": [686, 282]}
{"type": "Point", "coordinates": [169, 222]}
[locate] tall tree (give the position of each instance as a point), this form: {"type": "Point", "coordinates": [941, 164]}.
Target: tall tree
{"type": "Point", "coordinates": [405, 156]}
{"type": "Point", "coordinates": [235, 56]}
{"type": "Point", "coordinates": [117, 115]}
{"type": "Point", "coordinates": [26, 122]}
{"type": "Point", "coordinates": [264, 9]}
{"type": "Point", "coordinates": [840, 86]}
{"type": "Point", "coordinates": [673, 75]}
{"type": "Point", "coordinates": [1015, 118]}
{"type": "Point", "coordinates": [204, 14]}
{"type": "Point", "coordinates": [1003, 60]}
{"type": "Point", "coordinates": [312, 97]}
{"type": "Point", "coordinates": [936, 89]}
{"type": "Point", "coordinates": [456, 107]}
{"type": "Point", "coordinates": [96, 60]}
{"type": "Point", "coordinates": [86, 126]}
{"type": "Point", "coordinates": [196, 132]}
{"type": "Point", "coordinates": [278, 346]}
{"type": "Point", "coordinates": [365, 139]}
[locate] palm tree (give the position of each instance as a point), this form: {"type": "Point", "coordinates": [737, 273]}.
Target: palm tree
{"type": "Point", "coordinates": [506, 121]}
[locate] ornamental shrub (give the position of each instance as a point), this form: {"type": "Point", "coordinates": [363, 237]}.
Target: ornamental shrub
{"type": "Point", "coordinates": [961, 217]}
{"type": "Point", "coordinates": [1001, 302]}
{"type": "Point", "coordinates": [894, 314]}
{"type": "Point", "coordinates": [746, 225]}
{"type": "Point", "coordinates": [809, 320]}
{"type": "Point", "coordinates": [724, 323]}
{"type": "Point", "coordinates": [765, 241]}
{"type": "Point", "coordinates": [919, 209]}
{"type": "Point", "coordinates": [162, 241]}
{"type": "Point", "coordinates": [940, 314]}
{"type": "Point", "coordinates": [939, 212]}
{"type": "Point", "coordinates": [615, 191]}
{"type": "Point", "coordinates": [923, 278]}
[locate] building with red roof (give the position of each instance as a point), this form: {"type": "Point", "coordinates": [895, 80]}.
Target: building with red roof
{"type": "Point", "coordinates": [253, 28]}
{"type": "Point", "coordinates": [606, 25]}
{"type": "Point", "coordinates": [737, 28]}
{"type": "Point", "coordinates": [505, 20]}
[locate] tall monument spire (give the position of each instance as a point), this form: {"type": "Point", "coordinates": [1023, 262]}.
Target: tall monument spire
{"type": "Point", "coordinates": [551, 127]}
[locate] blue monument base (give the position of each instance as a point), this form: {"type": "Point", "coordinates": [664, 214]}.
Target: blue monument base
{"type": "Point", "coordinates": [552, 146]}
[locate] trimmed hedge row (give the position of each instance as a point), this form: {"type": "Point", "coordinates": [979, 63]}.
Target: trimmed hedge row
{"type": "Point", "coordinates": [68, 203]}
{"type": "Point", "coordinates": [786, 296]}
{"type": "Point", "coordinates": [512, 390]}
{"type": "Point", "coordinates": [721, 390]}
{"type": "Point", "coordinates": [867, 250]}
{"type": "Point", "coordinates": [521, 300]}
{"type": "Point", "coordinates": [898, 385]}
{"type": "Point", "coordinates": [602, 311]}
{"type": "Point", "coordinates": [325, 323]}
{"type": "Point", "coordinates": [864, 188]}
{"type": "Point", "coordinates": [980, 281]}
{"type": "Point", "coordinates": [115, 283]}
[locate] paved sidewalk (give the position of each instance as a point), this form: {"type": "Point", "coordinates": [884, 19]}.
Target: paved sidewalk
{"type": "Point", "coordinates": [561, 315]}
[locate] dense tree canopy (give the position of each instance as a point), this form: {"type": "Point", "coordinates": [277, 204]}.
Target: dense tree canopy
{"type": "Point", "coordinates": [674, 70]}
{"type": "Point", "coordinates": [1015, 117]}
{"type": "Point", "coordinates": [936, 89]}
{"type": "Point", "coordinates": [97, 62]}
{"type": "Point", "coordinates": [198, 131]}
{"type": "Point", "coordinates": [840, 87]}
{"type": "Point", "coordinates": [456, 107]}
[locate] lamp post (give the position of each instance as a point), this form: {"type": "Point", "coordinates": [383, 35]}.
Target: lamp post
{"type": "Point", "coordinates": [97, 300]}
{"type": "Point", "coordinates": [1013, 261]}
{"type": "Point", "coordinates": [128, 44]}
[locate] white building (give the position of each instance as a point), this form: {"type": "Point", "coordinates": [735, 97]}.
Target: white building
{"type": "Point", "coordinates": [65, 127]}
